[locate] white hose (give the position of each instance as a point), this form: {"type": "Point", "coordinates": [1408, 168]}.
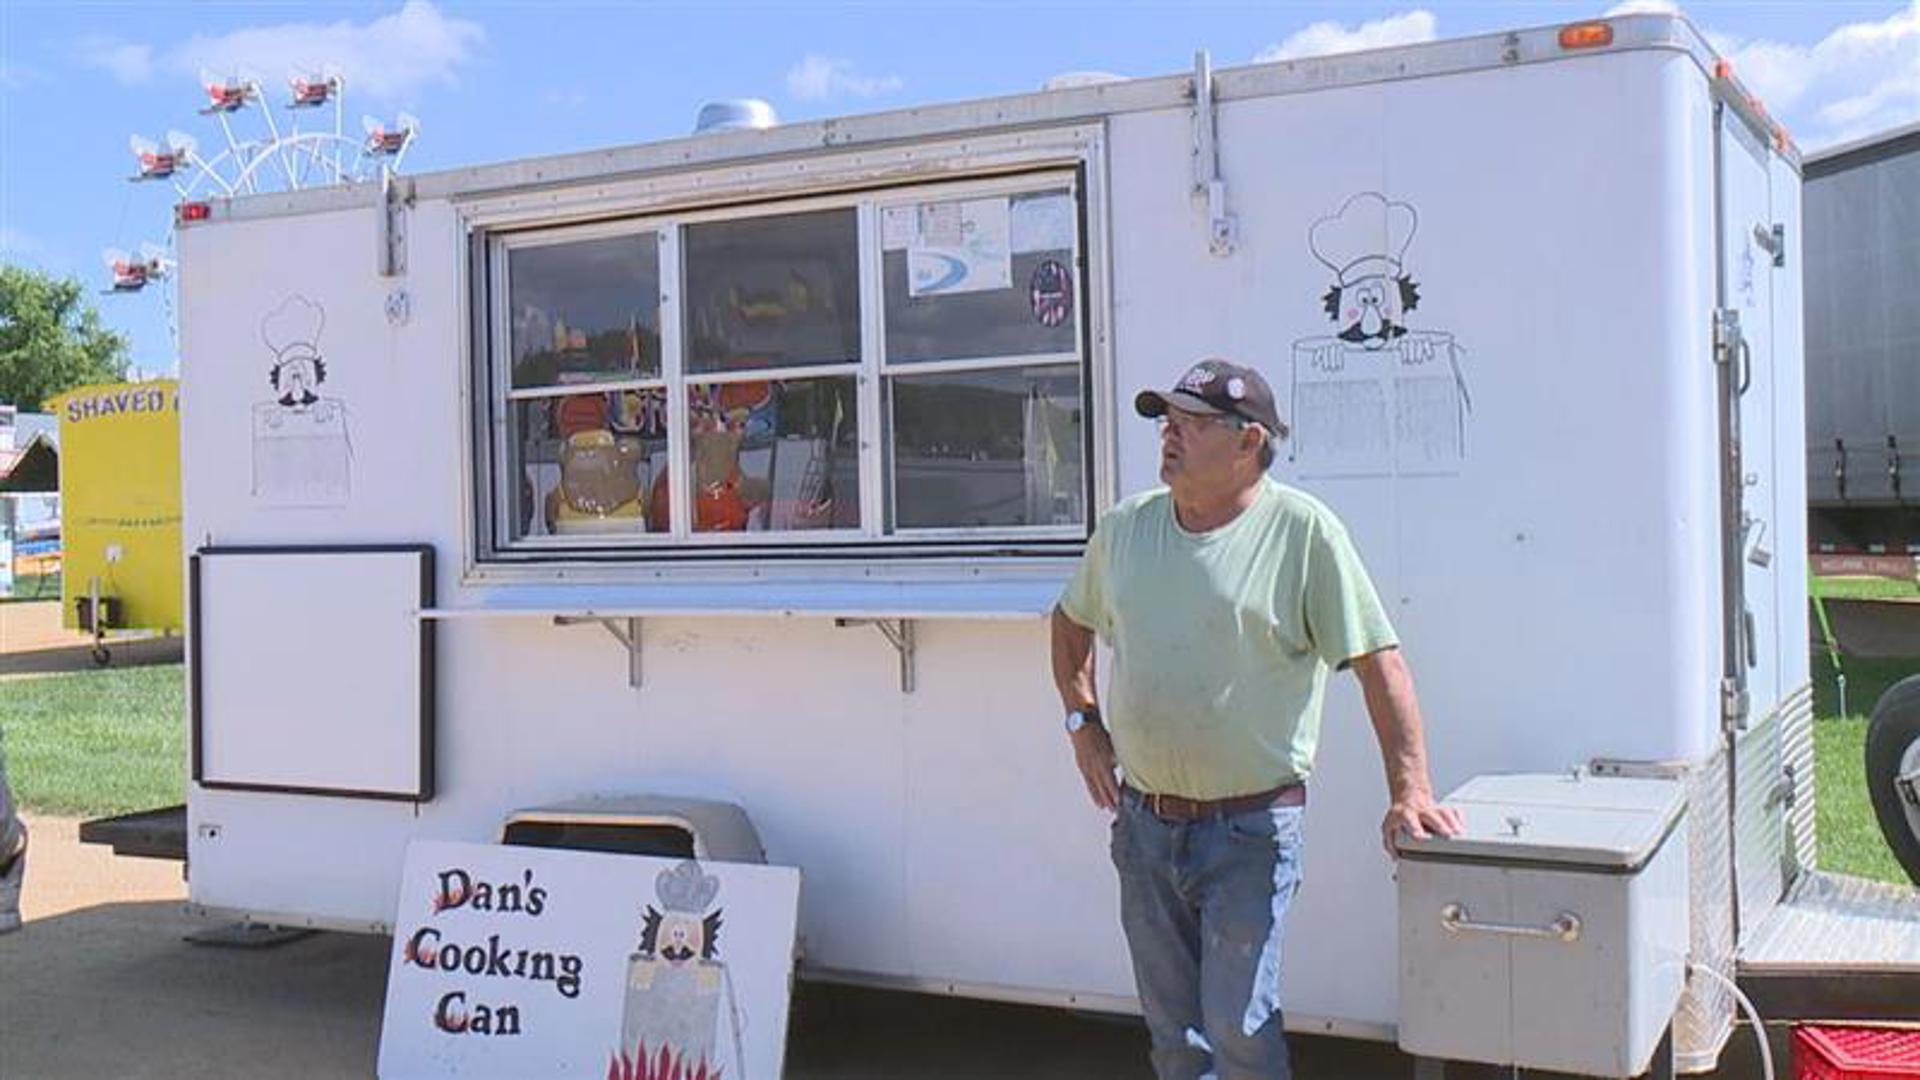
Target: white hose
{"type": "Point", "coordinates": [1753, 1015]}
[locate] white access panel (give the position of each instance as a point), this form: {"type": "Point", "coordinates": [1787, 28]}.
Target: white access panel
{"type": "Point", "coordinates": [312, 671]}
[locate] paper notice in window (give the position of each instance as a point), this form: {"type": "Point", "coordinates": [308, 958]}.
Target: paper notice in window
{"type": "Point", "coordinates": [1399, 410]}
{"type": "Point", "coordinates": [899, 225]}
{"type": "Point", "coordinates": [1043, 223]}
{"type": "Point", "coordinates": [961, 247]}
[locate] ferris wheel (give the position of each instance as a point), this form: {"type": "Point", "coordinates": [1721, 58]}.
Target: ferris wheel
{"type": "Point", "coordinates": [260, 151]}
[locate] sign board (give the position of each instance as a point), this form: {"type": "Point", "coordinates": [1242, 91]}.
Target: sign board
{"type": "Point", "coordinates": [526, 963]}
{"type": "Point", "coordinates": [1896, 567]}
{"type": "Point", "coordinates": [120, 500]}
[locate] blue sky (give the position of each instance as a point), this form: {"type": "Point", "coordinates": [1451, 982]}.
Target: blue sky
{"type": "Point", "coordinates": [492, 81]}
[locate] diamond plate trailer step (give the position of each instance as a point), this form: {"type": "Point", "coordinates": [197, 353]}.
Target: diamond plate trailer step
{"type": "Point", "coordinates": [1837, 948]}
{"type": "Point", "coordinates": [148, 834]}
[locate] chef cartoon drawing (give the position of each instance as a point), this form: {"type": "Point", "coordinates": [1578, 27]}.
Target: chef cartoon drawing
{"type": "Point", "coordinates": [301, 453]}
{"type": "Point", "coordinates": [676, 984]}
{"type": "Point", "coordinates": [1375, 395]}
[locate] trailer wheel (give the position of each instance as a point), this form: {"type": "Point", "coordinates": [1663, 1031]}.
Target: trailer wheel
{"type": "Point", "coordinates": [101, 657]}
{"type": "Point", "coordinates": [1893, 770]}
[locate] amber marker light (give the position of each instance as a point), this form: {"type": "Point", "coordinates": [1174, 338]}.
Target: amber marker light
{"type": "Point", "coordinates": [1586, 35]}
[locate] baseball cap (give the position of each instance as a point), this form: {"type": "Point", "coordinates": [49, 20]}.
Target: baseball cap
{"type": "Point", "coordinates": [1215, 386]}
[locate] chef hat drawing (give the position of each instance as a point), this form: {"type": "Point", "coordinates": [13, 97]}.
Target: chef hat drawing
{"type": "Point", "coordinates": [292, 330]}
{"type": "Point", "coordinates": [684, 888]}
{"type": "Point", "coordinates": [1366, 238]}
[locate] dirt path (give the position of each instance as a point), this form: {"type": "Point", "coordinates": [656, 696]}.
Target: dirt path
{"type": "Point", "coordinates": [100, 983]}
{"type": "Point", "coordinates": [33, 642]}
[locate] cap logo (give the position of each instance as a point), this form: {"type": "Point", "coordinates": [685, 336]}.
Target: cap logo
{"type": "Point", "coordinates": [1236, 388]}
{"type": "Point", "coordinates": [1196, 379]}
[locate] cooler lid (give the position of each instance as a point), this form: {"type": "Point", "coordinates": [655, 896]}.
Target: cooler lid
{"type": "Point", "coordinates": [1607, 824]}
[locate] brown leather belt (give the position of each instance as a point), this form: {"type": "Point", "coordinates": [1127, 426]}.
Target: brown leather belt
{"type": "Point", "coordinates": [1178, 808]}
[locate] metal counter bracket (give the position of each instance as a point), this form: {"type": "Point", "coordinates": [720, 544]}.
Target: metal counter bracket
{"type": "Point", "coordinates": [628, 635]}
{"type": "Point", "coordinates": [899, 634]}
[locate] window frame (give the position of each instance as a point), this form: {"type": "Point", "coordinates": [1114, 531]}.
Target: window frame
{"type": "Point", "coordinates": [1006, 165]}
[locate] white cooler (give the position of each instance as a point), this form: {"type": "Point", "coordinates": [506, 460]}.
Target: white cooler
{"type": "Point", "coordinates": [1552, 933]}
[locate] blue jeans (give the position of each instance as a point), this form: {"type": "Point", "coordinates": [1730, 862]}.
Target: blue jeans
{"type": "Point", "coordinates": [1203, 904]}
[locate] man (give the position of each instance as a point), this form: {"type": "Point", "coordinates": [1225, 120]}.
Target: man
{"type": "Point", "coordinates": [13, 854]}
{"type": "Point", "coordinates": [1226, 597]}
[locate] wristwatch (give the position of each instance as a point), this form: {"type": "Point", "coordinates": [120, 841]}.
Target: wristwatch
{"type": "Point", "coordinates": [1080, 718]}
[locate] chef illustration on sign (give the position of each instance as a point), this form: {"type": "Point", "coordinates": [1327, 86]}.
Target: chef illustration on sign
{"type": "Point", "coordinates": [1373, 390]}
{"type": "Point", "coordinates": [676, 982]}
{"type": "Point", "coordinates": [301, 453]}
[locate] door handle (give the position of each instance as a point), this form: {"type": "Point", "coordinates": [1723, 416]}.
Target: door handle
{"type": "Point", "coordinates": [1565, 926]}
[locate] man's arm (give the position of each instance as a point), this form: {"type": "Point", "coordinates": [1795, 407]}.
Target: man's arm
{"type": "Point", "coordinates": [1395, 712]}
{"type": "Point", "coordinates": [1073, 677]}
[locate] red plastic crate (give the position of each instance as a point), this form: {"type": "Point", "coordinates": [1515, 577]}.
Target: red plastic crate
{"type": "Point", "coordinates": [1855, 1053]}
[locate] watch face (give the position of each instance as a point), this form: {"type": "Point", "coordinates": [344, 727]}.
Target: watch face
{"type": "Point", "coordinates": [1076, 720]}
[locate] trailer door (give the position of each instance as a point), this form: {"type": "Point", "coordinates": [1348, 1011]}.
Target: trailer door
{"type": "Point", "coordinates": [1746, 297]}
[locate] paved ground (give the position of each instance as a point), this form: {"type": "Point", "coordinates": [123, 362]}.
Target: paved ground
{"type": "Point", "coordinates": [99, 984]}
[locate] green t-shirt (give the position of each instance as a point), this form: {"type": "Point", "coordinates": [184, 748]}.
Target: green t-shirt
{"type": "Point", "coordinates": [1222, 640]}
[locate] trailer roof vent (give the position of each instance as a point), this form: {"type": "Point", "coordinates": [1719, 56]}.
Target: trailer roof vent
{"type": "Point", "coordinates": [1074, 80]}
{"type": "Point", "coordinates": [737, 114]}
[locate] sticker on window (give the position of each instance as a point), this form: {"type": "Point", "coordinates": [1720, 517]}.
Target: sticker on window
{"type": "Point", "coordinates": [1051, 293]}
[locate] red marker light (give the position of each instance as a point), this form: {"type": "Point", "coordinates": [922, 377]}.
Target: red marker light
{"type": "Point", "coordinates": [193, 211]}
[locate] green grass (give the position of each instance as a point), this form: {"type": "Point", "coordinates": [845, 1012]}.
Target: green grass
{"type": "Point", "coordinates": [1865, 588]}
{"type": "Point", "coordinates": [1848, 835]}
{"type": "Point", "coordinates": [95, 742]}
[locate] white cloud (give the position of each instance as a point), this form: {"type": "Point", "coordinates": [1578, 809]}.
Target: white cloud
{"type": "Point", "coordinates": [129, 62]}
{"type": "Point", "coordinates": [1323, 38]}
{"type": "Point", "coordinates": [818, 78]}
{"type": "Point", "coordinates": [386, 58]}
{"type": "Point", "coordinates": [1643, 7]}
{"type": "Point", "coordinates": [572, 98]}
{"type": "Point", "coordinates": [1861, 78]}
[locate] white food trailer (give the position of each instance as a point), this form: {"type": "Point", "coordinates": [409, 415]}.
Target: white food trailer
{"type": "Point", "coordinates": [745, 468]}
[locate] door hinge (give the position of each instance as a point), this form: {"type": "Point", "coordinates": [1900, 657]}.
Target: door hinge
{"type": "Point", "coordinates": [1773, 241]}
{"type": "Point", "coordinates": [1733, 705]}
{"type": "Point", "coordinates": [1726, 335]}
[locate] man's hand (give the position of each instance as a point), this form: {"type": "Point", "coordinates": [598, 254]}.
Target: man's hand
{"type": "Point", "coordinates": [1395, 712]}
{"type": "Point", "coordinates": [1093, 753]}
{"type": "Point", "coordinates": [1417, 817]}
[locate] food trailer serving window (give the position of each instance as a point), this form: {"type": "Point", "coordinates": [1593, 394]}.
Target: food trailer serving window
{"type": "Point", "coordinates": [903, 370]}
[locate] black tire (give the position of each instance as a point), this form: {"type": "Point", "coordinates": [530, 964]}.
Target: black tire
{"type": "Point", "coordinates": [1892, 735]}
{"type": "Point", "coordinates": [101, 657]}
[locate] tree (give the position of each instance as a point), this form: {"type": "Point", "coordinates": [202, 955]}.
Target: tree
{"type": "Point", "coordinates": [51, 339]}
